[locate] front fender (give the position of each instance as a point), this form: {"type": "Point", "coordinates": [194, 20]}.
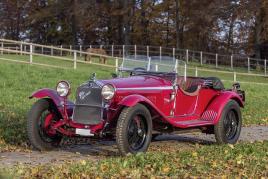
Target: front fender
{"type": "Point", "coordinates": [53, 95]}
{"type": "Point", "coordinates": [218, 103]}
{"type": "Point", "coordinates": [132, 100]}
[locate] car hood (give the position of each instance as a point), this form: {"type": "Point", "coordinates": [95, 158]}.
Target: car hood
{"type": "Point", "coordinates": [138, 81]}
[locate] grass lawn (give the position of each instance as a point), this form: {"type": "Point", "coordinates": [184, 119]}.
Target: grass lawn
{"type": "Point", "coordinates": [227, 161]}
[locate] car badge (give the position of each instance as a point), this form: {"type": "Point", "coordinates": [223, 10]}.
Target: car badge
{"type": "Point", "coordinates": [83, 95]}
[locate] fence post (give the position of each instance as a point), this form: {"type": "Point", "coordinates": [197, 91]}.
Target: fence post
{"type": "Point", "coordinates": [187, 56]}
{"type": "Point", "coordinates": [20, 48]}
{"type": "Point", "coordinates": [232, 66]}
{"type": "Point", "coordinates": [174, 54]}
{"type": "Point", "coordinates": [42, 50]}
{"type": "Point", "coordinates": [80, 48]}
{"type": "Point", "coordinates": [160, 53]}
{"type": "Point", "coordinates": [2, 46]}
{"type": "Point", "coordinates": [185, 72]}
{"type": "Point", "coordinates": [51, 50]}
{"type": "Point", "coordinates": [31, 53]}
{"type": "Point", "coordinates": [70, 49]}
{"type": "Point", "coordinates": [116, 65]}
{"type": "Point", "coordinates": [135, 52]}
{"type": "Point", "coordinates": [123, 52]}
{"type": "Point", "coordinates": [112, 50]}
{"type": "Point", "coordinates": [25, 48]}
{"type": "Point", "coordinates": [196, 72]}
{"type": "Point", "coordinates": [101, 46]}
{"type": "Point", "coordinates": [234, 76]}
{"type": "Point", "coordinates": [75, 59]}
{"type": "Point", "coordinates": [148, 53]}
{"type": "Point", "coordinates": [265, 63]}
{"type": "Point", "coordinates": [248, 64]}
{"type": "Point", "coordinates": [216, 60]}
{"type": "Point", "coordinates": [61, 50]}
{"type": "Point", "coordinates": [201, 58]}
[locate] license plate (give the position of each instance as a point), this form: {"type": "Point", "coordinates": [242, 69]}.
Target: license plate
{"type": "Point", "coordinates": [83, 132]}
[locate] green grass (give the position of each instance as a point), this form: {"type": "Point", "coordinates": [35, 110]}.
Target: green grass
{"type": "Point", "coordinates": [243, 160]}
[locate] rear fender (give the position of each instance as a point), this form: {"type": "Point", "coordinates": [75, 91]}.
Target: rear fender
{"type": "Point", "coordinates": [218, 104]}
{"type": "Point", "coordinates": [132, 100]}
{"type": "Point", "coordinates": [53, 95]}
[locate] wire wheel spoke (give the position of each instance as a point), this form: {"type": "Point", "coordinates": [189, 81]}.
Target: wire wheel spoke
{"type": "Point", "coordinates": [42, 129]}
{"type": "Point", "coordinates": [230, 125]}
{"type": "Point", "coordinates": [137, 131]}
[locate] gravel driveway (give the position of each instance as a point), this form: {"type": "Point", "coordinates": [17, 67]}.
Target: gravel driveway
{"type": "Point", "coordinates": [99, 150]}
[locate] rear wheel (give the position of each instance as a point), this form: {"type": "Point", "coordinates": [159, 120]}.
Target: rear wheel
{"type": "Point", "coordinates": [229, 126]}
{"type": "Point", "coordinates": [134, 130]}
{"type": "Point", "coordinates": [40, 118]}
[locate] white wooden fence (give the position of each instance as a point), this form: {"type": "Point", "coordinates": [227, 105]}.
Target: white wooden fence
{"type": "Point", "coordinates": [69, 54]}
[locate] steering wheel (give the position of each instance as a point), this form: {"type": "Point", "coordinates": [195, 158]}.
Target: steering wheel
{"type": "Point", "coordinates": [139, 69]}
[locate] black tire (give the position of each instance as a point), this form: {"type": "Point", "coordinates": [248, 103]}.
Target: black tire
{"type": "Point", "coordinates": [128, 131]}
{"type": "Point", "coordinates": [37, 136]}
{"type": "Point", "coordinates": [227, 130]}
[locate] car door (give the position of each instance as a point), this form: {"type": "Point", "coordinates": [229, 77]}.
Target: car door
{"type": "Point", "coordinates": [185, 103]}
{"type": "Point", "coordinates": [187, 96]}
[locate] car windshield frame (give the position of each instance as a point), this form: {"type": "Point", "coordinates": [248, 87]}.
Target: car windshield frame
{"type": "Point", "coordinates": [154, 67]}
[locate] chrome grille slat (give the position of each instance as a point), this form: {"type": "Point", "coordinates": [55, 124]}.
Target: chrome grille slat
{"type": "Point", "coordinates": [89, 105]}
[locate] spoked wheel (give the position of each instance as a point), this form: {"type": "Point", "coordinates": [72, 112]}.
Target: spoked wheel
{"type": "Point", "coordinates": [39, 122]}
{"type": "Point", "coordinates": [229, 126]}
{"type": "Point", "coordinates": [137, 130]}
{"type": "Point", "coordinates": [134, 130]}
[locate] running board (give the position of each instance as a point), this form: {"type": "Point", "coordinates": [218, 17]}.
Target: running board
{"type": "Point", "coordinates": [193, 123]}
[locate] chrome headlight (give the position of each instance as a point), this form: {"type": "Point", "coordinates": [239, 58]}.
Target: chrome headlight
{"type": "Point", "coordinates": [63, 88]}
{"type": "Point", "coordinates": [108, 91]}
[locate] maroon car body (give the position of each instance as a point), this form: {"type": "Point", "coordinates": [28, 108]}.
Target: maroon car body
{"type": "Point", "coordinates": [174, 103]}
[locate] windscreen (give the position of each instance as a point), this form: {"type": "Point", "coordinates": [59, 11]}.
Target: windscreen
{"type": "Point", "coordinates": [152, 64]}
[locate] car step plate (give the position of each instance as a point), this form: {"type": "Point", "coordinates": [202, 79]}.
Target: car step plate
{"type": "Point", "coordinates": [83, 132]}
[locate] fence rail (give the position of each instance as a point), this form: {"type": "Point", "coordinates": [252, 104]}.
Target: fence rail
{"type": "Point", "coordinates": [233, 65]}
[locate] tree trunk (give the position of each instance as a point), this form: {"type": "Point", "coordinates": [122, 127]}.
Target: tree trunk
{"type": "Point", "coordinates": [230, 35]}
{"type": "Point", "coordinates": [126, 21]}
{"type": "Point", "coordinates": [74, 22]}
{"type": "Point", "coordinates": [167, 27]}
{"type": "Point", "coordinates": [144, 23]}
{"type": "Point", "coordinates": [257, 35]}
{"type": "Point", "coordinates": [177, 25]}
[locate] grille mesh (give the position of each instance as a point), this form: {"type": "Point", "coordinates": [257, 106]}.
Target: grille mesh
{"type": "Point", "coordinates": [88, 105]}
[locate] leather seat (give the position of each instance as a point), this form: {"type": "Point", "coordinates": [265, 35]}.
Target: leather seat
{"type": "Point", "coordinates": [214, 82]}
{"type": "Point", "coordinates": [190, 85]}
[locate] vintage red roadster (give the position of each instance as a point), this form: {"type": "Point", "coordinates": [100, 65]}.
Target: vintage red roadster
{"type": "Point", "coordinates": [153, 98]}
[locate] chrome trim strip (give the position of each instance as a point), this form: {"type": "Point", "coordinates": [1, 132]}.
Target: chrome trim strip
{"type": "Point", "coordinates": [147, 88]}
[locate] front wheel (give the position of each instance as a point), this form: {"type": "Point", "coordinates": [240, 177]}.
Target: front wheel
{"type": "Point", "coordinates": [40, 118]}
{"type": "Point", "coordinates": [227, 130]}
{"type": "Point", "coordinates": [134, 130]}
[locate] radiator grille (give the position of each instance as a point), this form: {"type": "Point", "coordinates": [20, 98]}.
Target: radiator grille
{"type": "Point", "coordinates": [89, 105]}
